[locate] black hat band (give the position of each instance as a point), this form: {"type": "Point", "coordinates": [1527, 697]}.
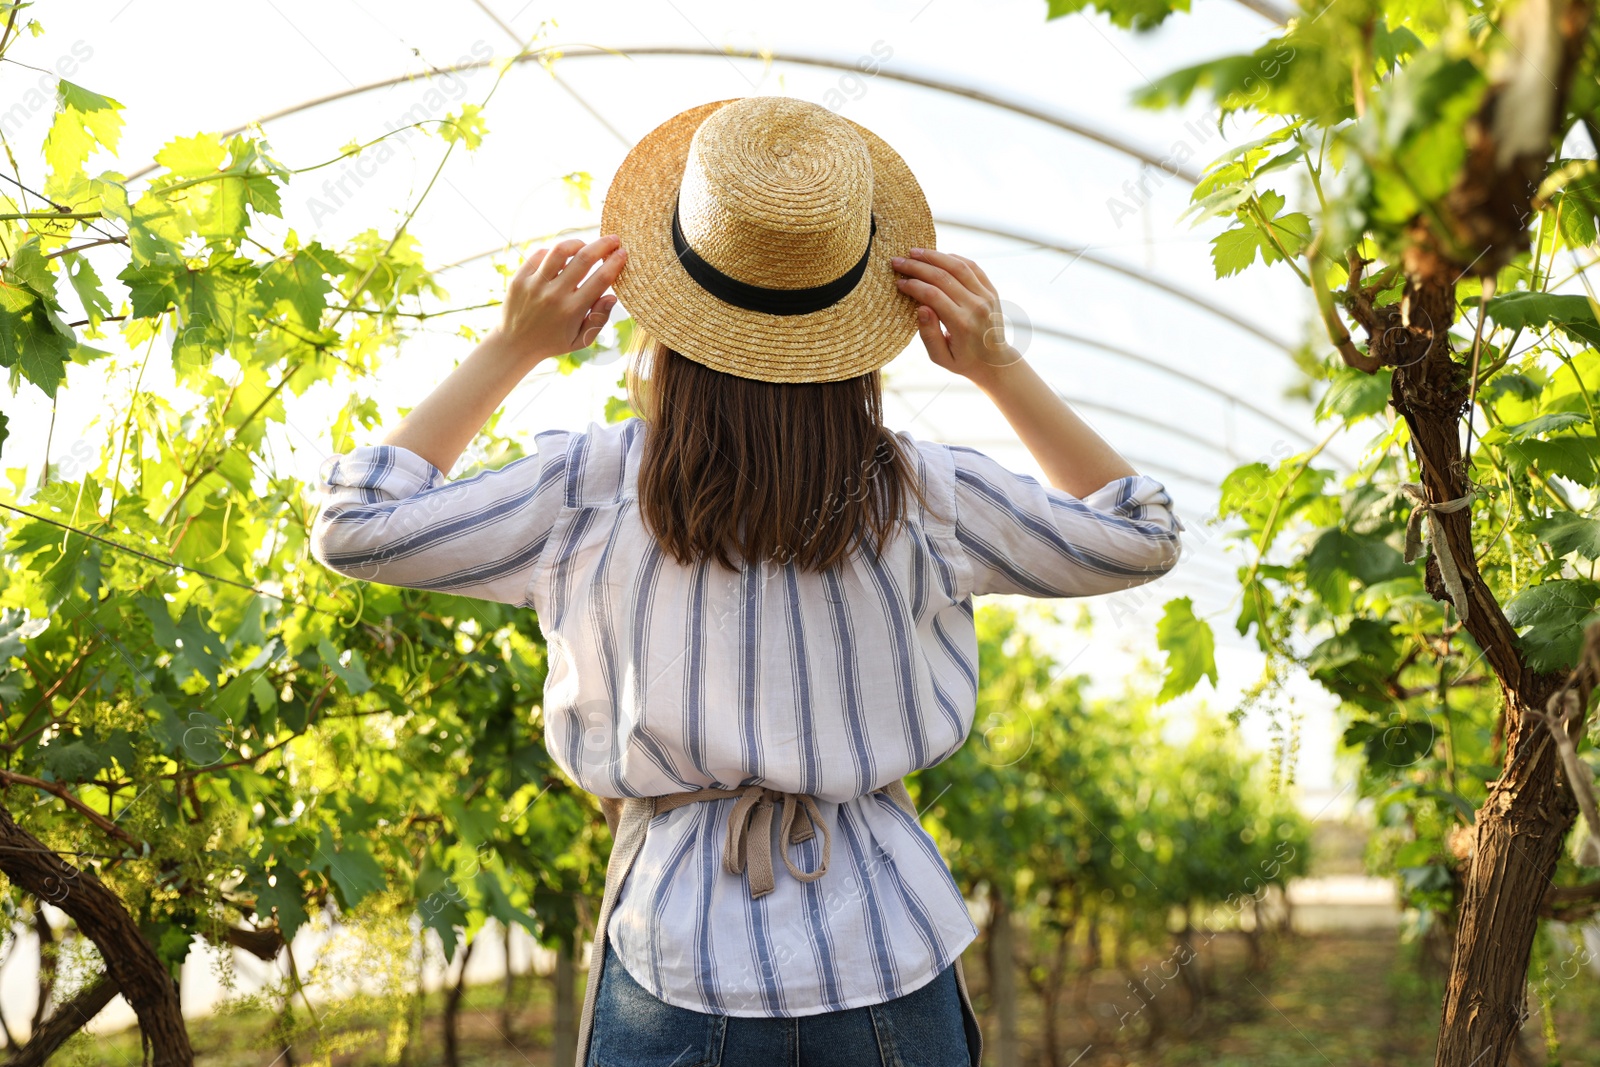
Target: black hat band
{"type": "Point", "coordinates": [731, 290]}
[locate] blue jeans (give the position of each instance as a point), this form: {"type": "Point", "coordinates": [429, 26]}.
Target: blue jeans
{"type": "Point", "coordinates": [633, 1028]}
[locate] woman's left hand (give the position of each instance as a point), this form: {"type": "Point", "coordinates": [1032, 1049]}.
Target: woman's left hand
{"type": "Point", "coordinates": [554, 303]}
{"type": "Point", "coordinates": [961, 322]}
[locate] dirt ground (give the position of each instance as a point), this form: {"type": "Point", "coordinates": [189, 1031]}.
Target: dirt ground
{"type": "Point", "coordinates": [1346, 1000]}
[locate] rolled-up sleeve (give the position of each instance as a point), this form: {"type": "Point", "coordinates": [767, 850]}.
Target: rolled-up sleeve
{"type": "Point", "coordinates": [388, 515]}
{"type": "Point", "coordinates": [1020, 536]}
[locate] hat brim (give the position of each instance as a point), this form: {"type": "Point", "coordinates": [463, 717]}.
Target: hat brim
{"type": "Point", "coordinates": [861, 332]}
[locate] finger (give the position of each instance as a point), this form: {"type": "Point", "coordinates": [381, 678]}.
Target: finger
{"type": "Point", "coordinates": [531, 264]}
{"type": "Point", "coordinates": [601, 311]}
{"type": "Point", "coordinates": [981, 276]}
{"type": "Point", "coordinates": [953, 286]}
{"type": "Point", "coordinates": [606, 273]}
{"type": "Point", "coordinates": [931, 295]}
{"type": "Point", "coordinates": [958, 267]}
{"type": "Point", "coordinates": [577, 268]}
{"type": "Point", "coordinates": [933, 337]}
{"type": "Point", "coordinates": [593, 323]}
{"type": "Point", "coordinates": [556, 260]}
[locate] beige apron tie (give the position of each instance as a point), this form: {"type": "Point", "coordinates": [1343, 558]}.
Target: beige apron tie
{"type": "Point", "coordinates": [748, 849]}
{"type": "Point", "coordinates": [630, 821]}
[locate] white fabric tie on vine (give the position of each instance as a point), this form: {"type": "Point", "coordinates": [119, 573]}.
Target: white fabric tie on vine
{"type": "Point", "coordinates": [1441, 548]}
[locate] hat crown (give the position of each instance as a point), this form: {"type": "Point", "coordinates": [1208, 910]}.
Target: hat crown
{"type": "Point", "coordinates": [777, 192]}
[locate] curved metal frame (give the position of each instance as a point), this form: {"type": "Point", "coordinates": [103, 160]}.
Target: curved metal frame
{"type": "Point", "coordinates": [1071, 338]}
{"type": "Point", "coordinates": [970, 92]}
{"type": "Point", "coordinates": [982, 96]}
{"type": "Point", "coordinates": [1062, 335]}
{"type": "Point", "coordinates": [1199, 302]}
{"type": "Point", "coordinates": [904, 392]}
{"type": "Point", "coordinates": [1199, 383]}
{"type": "Point", "coordinates": [1084, 254]}
{"type": "Point", "coordinates": [964, 91]}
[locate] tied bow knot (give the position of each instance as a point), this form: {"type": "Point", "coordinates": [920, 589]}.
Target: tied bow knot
{"type": "Point", "coordinates": [748, 849]}
{"type": "Point", "coordinates": [1429, 512]}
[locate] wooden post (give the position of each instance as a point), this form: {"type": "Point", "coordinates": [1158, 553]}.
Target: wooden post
{"type": "Point", "coordinates": [564, 1043]}
{"type": "Point", "coordinates": [452, 1009]}
{"type": "Point", "coordinates": [1002, 980]}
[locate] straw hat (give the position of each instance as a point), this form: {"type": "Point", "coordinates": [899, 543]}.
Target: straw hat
{"type": "Point", "coordinates": [759, 232]}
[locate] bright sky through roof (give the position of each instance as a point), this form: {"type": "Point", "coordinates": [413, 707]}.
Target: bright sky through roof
{"type": "Point", "coordinates": [1184, 374]}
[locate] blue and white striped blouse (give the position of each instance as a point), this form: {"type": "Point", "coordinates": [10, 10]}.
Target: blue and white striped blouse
{"type": "Point", "coordinates": [664, 678]}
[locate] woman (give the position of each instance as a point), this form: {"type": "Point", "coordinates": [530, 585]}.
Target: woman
{"type": "Point", "coordinates": [757, 598]}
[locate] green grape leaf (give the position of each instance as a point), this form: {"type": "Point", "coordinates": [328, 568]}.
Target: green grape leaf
{"type": "Point", "coordinates": [1567, 532]}
{"type": "Point", "coordinates": [152, 288]}
{"type": "Point", "coordinates": [284, 900]}
{"type": "Point", "coordinates": [1391, 744]}
{"type": "Point", "coordinates": [1339, 558]}
{"type": "Point", "coordinates": [1235, 249]}
{"type": "Point", "coordinates": [1235, 81]}
{"type": "Point", "coordinates": [172, 941]}
{"type": "Point", "coordinates": [1577, 221]}
{"type": "Point", "coordinates": [1572, 314]}
{"type": "Point", "coordinates": [80, 272]}
{"type": "Point", "coordinates": [1550, 617]}
{"type": "Point", "coordinates": [1355, 395]}
{"type": "Point", "coordinates": [1355, 665]}
{"type": "Point", "coordinates": [260, 175]}
{"type": "Point", "coordinates": [84, 121]}
{"type": "Point", "coordinates": [193, 157]}
{"type": "Point", "coordinates": [1190, 647]}
{"type": "Point", "coordinates": [352, 867]}
{"type": "Point", "coordinates": [1392, 45]}
{"type": "Point", "coordinates": [1553, 422]}
{"type": "Point", "coordinates": [1128, 14]}
{"type": "Point", "coordinates": [440, 905]}
{"type": "Point", "coordinates": [468, 126]}
{"type": "Point", "coordinates": [353, 673]}
{"type": "Point", "coordinates": [72, 761]}
{"type": "Point", "coordinates": [1252, 492]}
{"type": "Point", "coordinates": [28, 266]}
{"type": "Point", "coordinates": [205, 738]}
{"type": "Point", "coordinates": [1281, 233]}
{"type": "Point", "coordinates": [165, 726]}
{"type": "Point", "coordinates": [617, 409]}
{"type": "Point", "coordinates": [29, 342]}
{"type": "Point", "coordinates": [1577, 458]}
{"type": "Point", "coordinates": [1291, 230]}
{"type": "Point", "coordinates": [200, 646]}
{"type": "Point", "coordinates": [300, 280]}
{"type": "Point", "coordinates": [498, 904]}
{"type": "Point", "coordinates": [1428, 878]}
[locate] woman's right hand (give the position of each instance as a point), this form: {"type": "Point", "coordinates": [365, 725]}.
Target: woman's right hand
{"type": "Point", "coordinates": [964, 330]}
{"type": "Point", "coordinates": [960, 319]}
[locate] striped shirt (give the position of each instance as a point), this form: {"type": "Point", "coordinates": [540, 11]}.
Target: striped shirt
{"type": "Point", "coordinates": [664, 677]}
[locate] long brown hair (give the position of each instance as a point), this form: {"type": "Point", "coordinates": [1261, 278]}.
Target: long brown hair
{"type": "Point", "coordinates": [736, 468]}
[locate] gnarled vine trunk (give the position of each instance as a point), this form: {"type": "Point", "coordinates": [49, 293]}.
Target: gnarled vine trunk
{"type": "Point", "coordinates": [1522, 825]}
{"type": "Point", "coordinates": [130, 961]}
{"type": "Point", "coordinates": [66, 1020]}
{"type": "Point", "coordinates": [47, 964]}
